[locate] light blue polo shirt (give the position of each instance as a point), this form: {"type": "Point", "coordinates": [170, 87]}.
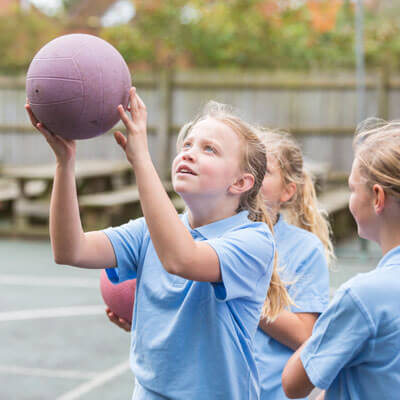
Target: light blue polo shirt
{"type": "Point", "coordinates": [354, 351]}
{"type": "Point", "coordinates": [303, 263]}
{"type": "Point", "coordinates": [194, 340]}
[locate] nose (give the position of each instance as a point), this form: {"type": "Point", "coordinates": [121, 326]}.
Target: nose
{"type": "Point", "coordinates": [188, 155]}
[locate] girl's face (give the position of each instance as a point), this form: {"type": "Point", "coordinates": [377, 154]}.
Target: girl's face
{"type": "Point", "coordinates": [209, 161]}
{"type": "Point", "coordinates": [361, 204]}
{"type": "Point", "coordinates": [273, 188]}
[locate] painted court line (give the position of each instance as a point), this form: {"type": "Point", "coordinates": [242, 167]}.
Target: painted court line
{"type": "Point", "coordinates": [99, 380]}
{"type": "Point", "coordinates": [55, 312]}
{"type": "Point", "coordinates": [48, 373]}
{"type": "Point", "coordinates": [43, 281]}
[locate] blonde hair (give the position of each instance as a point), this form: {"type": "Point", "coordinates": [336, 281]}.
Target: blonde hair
{"type": "Point", "coordinates": [302, 208]}
{"type": "Point", "coordinates": [377, 148]}
{"type": "Point", "coordinates": [254, 162]}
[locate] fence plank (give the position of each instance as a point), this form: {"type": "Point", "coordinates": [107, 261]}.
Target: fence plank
{"type": "Point", "coordinates": [318, 107]}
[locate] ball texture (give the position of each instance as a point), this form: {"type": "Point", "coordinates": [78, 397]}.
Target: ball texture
{"type": "Point", "coordinates": [119, 298]}
{"type": "Point", "coordinates": [74, 85]}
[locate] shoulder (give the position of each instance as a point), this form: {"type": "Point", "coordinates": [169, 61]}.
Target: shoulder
{"type": "Point", "coordinates": [250, 227]}
{"type": "Point", "coordinates": [136, 228]}
{"type": "Point", "coordinates": [380, 283]}
{"type": "Point", "coordinates": [295, 235]}
{"type": "Point", "coordinates": [251, 240]}
{"type": "Point", "coordinates": [297, 243]}
{"type": "Point", "coordinates": [251, 234]}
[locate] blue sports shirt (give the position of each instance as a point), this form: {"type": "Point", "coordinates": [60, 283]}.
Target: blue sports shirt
{"type": "Point", "coordinates": [354, 351]}
{"type": "Point", "coordinates": [303, 265]}
{"type": "Point", "coordinates": [194, 340]}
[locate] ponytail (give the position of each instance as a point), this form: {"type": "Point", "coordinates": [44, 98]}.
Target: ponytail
{"type": "Point", "coordinates": [277, 296]}
{"type": "Point", "coordinates": [303, 211]}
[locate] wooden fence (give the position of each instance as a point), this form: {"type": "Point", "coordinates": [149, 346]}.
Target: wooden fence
{"type": "Point", "coordinates": [320, 108]}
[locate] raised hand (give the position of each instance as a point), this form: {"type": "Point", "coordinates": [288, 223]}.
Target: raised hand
{"type": "Point", "coordinates": [64, 150]}
{"type": "Point", "coordinates": [135, 142]}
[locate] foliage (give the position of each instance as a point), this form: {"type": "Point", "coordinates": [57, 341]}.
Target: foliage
{"type": "Point", "coordinates": [223, 34]}
{"type": "Point", "coordinates": [253, 34]}
{"type": "Point", "coordinates": [21, 36]}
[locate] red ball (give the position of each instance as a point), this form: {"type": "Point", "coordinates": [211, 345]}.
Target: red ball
{"type": "Point", "coordinates": [75, 83]}
{"type": "Point", "coordinates": [119, 298]}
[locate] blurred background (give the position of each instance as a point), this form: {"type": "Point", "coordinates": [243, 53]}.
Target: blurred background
{"type": "Point", "coordinates": [315, 68]}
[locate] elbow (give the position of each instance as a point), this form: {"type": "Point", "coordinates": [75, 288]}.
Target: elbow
{"type": "Point", "coordinates": [64, 259]}
{"type": "Point", "coordinates": [292, 388]}
{"type": "Point", "coordinates": [177, 266]}
{"type": "Point", "coordinates": [288, 388]}
{"type": "Point", "coordinates": [172, 268]}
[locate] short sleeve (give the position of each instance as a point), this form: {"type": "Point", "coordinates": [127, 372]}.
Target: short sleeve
{"type": "Point", "coordinates": [127, 241]}
{"type": "Point", "coordinates": [310, 287]}
{"type": "Point", "coordinates": [245, 257]}
{"type": "Point", "coordinates": [339, 334]}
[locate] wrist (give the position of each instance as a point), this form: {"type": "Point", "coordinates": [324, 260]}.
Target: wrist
{"type": "Point", "coordinates": [66, 164]}
{"type": "Point", "coordinates": [138, 160]}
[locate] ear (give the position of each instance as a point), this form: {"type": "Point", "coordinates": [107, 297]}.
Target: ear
{"type": "Point", "coordinates": [243, 184]}
{"type": "Point", "coordinates": [288, 192]}
{"type": "Point", "coordinates": [379, 198]}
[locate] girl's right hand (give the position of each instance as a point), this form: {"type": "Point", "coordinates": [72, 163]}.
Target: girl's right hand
{"type": "Point", "coordinates": [64, 149]}
{"type": "Point", "coordinates": [123, 324]}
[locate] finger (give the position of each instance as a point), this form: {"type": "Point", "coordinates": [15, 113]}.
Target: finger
{"type": "Point", "coordinates": [43, 129]}
{"type": "Point", "coordinates": [124, 324]}
{"type": "Point", "coordinates": [112, 317]}
{"type": "Point", "coordinates": [120, 139]}
{"type": "Point", "coordinates": [133, 102]}
{"type": "Point", "coordinates": [124, 117]}
{"type": "Point", "coordinates": [140, 102]}
{"type": "Point", "coordinates": [32, 117]}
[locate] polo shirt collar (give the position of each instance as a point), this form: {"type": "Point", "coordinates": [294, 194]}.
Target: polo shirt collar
{"type": "Point", "coordinates": [217, 228]}
{"type": "Point", "coordinates": [392, 257]}
{"type": "Point", "coordinates": [280, 224]}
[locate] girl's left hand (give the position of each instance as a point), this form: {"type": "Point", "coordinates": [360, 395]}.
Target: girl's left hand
{"type": "Point", "coordinates": [135, 142]}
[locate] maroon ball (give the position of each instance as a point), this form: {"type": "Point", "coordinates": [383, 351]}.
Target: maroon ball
{"type": "Point", "coordinates": [119, 298]}
{"type": "Point", "coordinates": [74, 85]}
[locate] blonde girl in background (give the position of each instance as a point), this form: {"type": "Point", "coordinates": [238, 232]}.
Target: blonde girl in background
{"type": "Point", "coordinates": [202, 277]}
{"type": "Point", "coordinates": [302, 236]}
{"type": "Point", "coordinates": [354, 351]}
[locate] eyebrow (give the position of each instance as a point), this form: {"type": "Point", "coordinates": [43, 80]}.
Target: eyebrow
{"type": "Point", "coordinates": [206, 141]}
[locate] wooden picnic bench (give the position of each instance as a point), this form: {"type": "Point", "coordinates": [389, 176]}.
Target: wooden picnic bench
{"type": "Point", "coordinates": [335, 201]}
{"type": "Point", "coordinates": [91, 175]}
{"type": "Point", "coordinates": [99, 210]}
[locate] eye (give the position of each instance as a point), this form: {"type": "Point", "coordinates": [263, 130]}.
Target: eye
{"type": "Point", "coordinates": [186, 145]}
{"type": "Point", "coordinates": [209, 149]}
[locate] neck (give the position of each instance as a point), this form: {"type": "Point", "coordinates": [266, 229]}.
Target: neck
{"type": "Point", "coordinates": [203, 212]}
{"type": "Point", "coordinates": [389, 240]}
{"type": "Point", "coordinates": [389, 232]}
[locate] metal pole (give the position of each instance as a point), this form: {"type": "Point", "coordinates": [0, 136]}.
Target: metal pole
{"type": "Point", "coordinates": [360, 75]}
{"type": "Point", "coordinates": [360, 62]}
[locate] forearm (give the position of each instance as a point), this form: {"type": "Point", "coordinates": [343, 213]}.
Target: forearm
{"type": "Point", "coordinates": [66, 231]}
{"type": "Point", "coordinates": [295, 381]}
{"type": "Point", "coordinates": [162, 219]}
{"type": "Point", "coordinates": [290, 329]}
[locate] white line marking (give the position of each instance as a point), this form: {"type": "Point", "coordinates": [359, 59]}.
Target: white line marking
{"type": "Point", "coordinates": [55, 312]}
{"type": "Point", "coordinates": [99, 380]}
{"type": "Point", "coordinates": [49, 373]}
{"type": "Point", "coordinates": [43, 281]}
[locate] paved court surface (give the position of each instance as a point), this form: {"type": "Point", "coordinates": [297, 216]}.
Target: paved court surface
{"type": "Point", "coordinates": [57, 343]}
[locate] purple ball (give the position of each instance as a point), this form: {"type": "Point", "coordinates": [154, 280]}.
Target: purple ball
{"type": "Point", "coordinates": [74, 85]}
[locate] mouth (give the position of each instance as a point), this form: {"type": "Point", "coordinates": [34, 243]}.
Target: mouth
{"type": "Point", "coordinates": [183, 169]}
